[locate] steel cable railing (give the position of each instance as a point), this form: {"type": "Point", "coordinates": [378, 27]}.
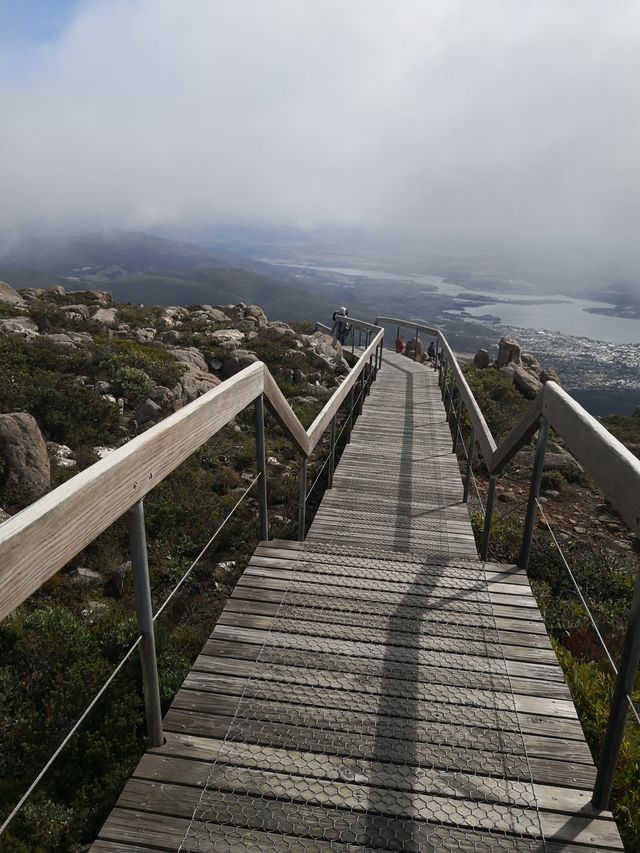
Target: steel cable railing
{"type": "Point", "coordinates": [120, 665]}
{"type": "Point", "coordinates": [585, 604]}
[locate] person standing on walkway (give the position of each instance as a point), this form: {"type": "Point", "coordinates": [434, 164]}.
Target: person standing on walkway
{"type": "Point", "coordinates": [341, 326]}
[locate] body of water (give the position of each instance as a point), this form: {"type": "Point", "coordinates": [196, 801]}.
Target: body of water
{"type": "Point", "coordinates": [557, 313]}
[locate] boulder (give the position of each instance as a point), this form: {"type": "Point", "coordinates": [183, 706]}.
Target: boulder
{"type": "Point", "coordinates": [562, 462]}
{"type": "Point", "coordinates": [9, 295]}
{"type": "Point", "coordinates": [102, 452]}
{"type": "Point", "coordinates": [75, 312]}
{"type": "Point", "coordinates": [509, 352]}
{"type": "Point", "coordinates": [169, 337]}
{"type": "Point", "coordinates": [60, 339]}
{"type": "Point", "coordinates": [22, 326]}
{"type": "Point", "coordinates": [105, 315]}
{"type": "Point", "coordinates": [193, 384]}
{"type": "Point", "coordinates": [57, 291]}
{"type": "Point", "coordinates": [508, 370]}
{"type": "Point", "coordinates": [115, 584]}
{"type": "Point", "coordinates": [144, 336]}
{"type": "Point", "coordinates": [163, 396]}
{"type": "Point", "coordinates": [531, 362]}
{"type": "Point", "coordinates": [191, 356]}
{"type": "Point", "coordinates": [482, 359]}
{"type": "Point", "coordinates": [27, 474]}
{"type": "Point", "coordinates": [257, 313]}
{"type": "Point", "coordinates": [249, 324]}
{"type": "Point", "coordinates": [60, 455]}
{"type": "Point", "coordinates": [236, 361]}
{"type": "Point", "coordinates": [147, 411]}
{"type": "Point", "coordinates": [323, 355]}
{"type": "Point", "coordinates": [31, 294]}
{"type": "Point", "coordinates": [526, 382]}
{"type": "Point", "coordinates": [227, 338]}
{"type": "Point", "coordinates": [549, 375]}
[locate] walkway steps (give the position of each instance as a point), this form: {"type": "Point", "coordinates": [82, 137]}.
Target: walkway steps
{"type": "Point", "coordinates": [376, 687]}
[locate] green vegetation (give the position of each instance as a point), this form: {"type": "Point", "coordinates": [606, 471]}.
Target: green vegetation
{"type": "Point", "coordinates": [607, 580]}
{"type": "Point", "coordinates": [500, 402]}
{"type": "Point", "coordinates": [626, 429]}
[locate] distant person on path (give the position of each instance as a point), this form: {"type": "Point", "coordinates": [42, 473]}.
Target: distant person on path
{"type": "Point", "coordinates": [341, 327]}
{"type": "Point", "coordinates": [431, 352]}
{"type": "Point", "coordinates": [400, 344]}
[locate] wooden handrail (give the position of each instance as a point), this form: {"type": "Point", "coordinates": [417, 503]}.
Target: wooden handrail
{"type": "Point", "coordinates": [37, 542]}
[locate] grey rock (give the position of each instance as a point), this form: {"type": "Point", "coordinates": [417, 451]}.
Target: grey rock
{"type": "Point", "coordinates": [509, 352]}
{"type": "Point", "coordinates": [32, 294]}
{"type": "Point", "coordinates": [214, 363]}
{"type": "Point", "coordinates": [60, 455]}
{"type": "Point", "coordinates": [105, 315]}
{"type": "Point", "coordinates": [169, 337]}
{"type": "Point", "coordinates": [76, 311]}
{"type": "Point", "coordinates": [115, 584]}
{"type": "Point", "coordinates": [4, 516]}
{"type": "Point", "coordinates": [60, 339]}
{"type": "Point", "coordinates": [527, 383]}
{"type": "Point", "coordinates": [9, 296]}
{"type": "Point", "coordinates": [319, 392]}
{"type": "Point", "coordinates": [102, 387]}
{"type": "Point", "coordinates": [27, 473]}
{"type": "Point", "coordinates": [530, 362]}
{"type": "Point", "coordinates": [163, 396]}
{"type": "Point", "coordinates": [236, 361]}
{"type": "Point", "coordinates": [562, 462]}
{"type": "Point", "coordinates": [85, 577]}
{"type": "Point", "coordinates": [193, 384]}
{"type": "Point", "coordinates": [191, 356]}
{"type": "Point", "coordinates": [249, 324]}
{"type": "Point", "coordinates": [298, 376]}
{"type": "Point", "coordinates": [227, 338]}
{"type": "Point", "coordinates": [482, 359]}
{"type": "Point", "coordinates": [549, 375]}
{"type": "Point", "coordinates": [24, 327]}
{"type": "Point", "coordinates": [146, 335]}
{"type": "Point", "coordinates": [147, 411]}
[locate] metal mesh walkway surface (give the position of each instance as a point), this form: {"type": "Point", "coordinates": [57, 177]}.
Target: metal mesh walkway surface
{"type": "Point", "coordinates": [376, 687]}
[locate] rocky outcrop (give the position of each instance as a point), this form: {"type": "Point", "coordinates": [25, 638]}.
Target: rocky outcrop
{"type": "Point", "coordinates": [522, 368]}
{"type": "Point", "coordinates": [192, 385]}
{"type": "Point", "coordinates": [482, 359]}
{"type": "Point", "coordinates": [26, 475]}
{"type": "Point", "coordinates": [9, 296]}
{"type": "Point", "coordinates": [237, 361]}
{"type": "Point", "coordinates": [24, 327]}
{"type": "Point", "coordinates": [147, 411]}
{"type": "Point", "coordinates": [509, 352]}
{"type": "Point", "coordinates": [106, 316]}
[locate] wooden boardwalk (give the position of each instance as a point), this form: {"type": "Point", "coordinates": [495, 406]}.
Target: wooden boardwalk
{"type": "Point", "coordinates": [376, 687]}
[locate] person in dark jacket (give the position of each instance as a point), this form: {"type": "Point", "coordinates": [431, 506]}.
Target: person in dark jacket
{"type": "Point", "coordinates": [341, 327]}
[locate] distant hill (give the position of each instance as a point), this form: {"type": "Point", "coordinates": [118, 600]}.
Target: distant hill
{"type": "Point", "coordinates": [138, 267]}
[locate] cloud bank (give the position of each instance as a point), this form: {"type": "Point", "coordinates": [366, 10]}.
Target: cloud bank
{"type": "Point", "coordinates": [484, 123]}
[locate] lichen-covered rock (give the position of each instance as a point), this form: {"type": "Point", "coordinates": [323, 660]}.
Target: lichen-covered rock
{"type": "Point", "coordinates": [227, 338]}
{"type": "Point", "coordinates": [163, 396]}
{"type": "Point", "coordinates": [509, 352]}
{"type": "Point", "coordinates": [27, 474]}
{"type": "Point", "coordinates": [60, 455]}
{"type": "Point", "coordinates": [531, 362]}
{"type": "Point", "coordinates": [482, 359]}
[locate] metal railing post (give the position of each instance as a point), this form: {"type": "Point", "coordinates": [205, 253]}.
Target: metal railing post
{"type": "Point", "coordinates": [435, 362]}
{"type": "Point", "coordinates": [467, 473]}
{"type": "Point", "coordinates": [534, 491]}
{"type": "Point", "coordinates": [486, 534]}
{"type": "Point", "coordinates": [457, 417]}
{"type": "Point", "coordinates": [449, 402]}
{"type": "Point", "coordinates": [261, 465]}
{"type": "Point", "coordinates": [332, 453]}
{"type": "Point", "coordinates": [359, 337]}
{"type": "Point", "coordinates": [442, 379]}
{"type": "Point", "coordinates": [350, 414]}
{"type": "Point", "coordinates": [415, 351]}
{"type": "Point", "coordinates": [443, 361]}
{"type": "Point", "coordinates": [370, 377]}
{"type": "Point", "coordinates": [353, 339]}
{"type": "Point", "coordinates": [625, 682]}
{"type": "Point", "coordinates": [381, 348]}
{"type": "Point", "coordinates": [302, 499]}
{"type": "Point", "coordinates": [144, 616]}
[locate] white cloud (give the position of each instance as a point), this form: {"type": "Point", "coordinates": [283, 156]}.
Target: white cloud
{"type": "Point", "coordinates": [489, 122]}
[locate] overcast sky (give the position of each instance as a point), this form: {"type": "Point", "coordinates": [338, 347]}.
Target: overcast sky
{"type": "Point", "coordinates": [509, 124]}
